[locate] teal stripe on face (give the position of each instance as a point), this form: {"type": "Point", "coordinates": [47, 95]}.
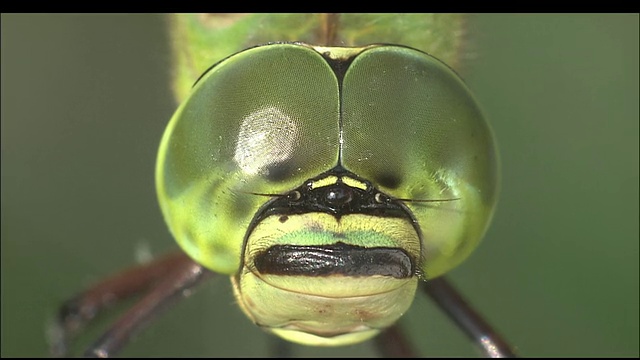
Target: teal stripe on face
{"type": "Point", "coordinates": [321, 237]}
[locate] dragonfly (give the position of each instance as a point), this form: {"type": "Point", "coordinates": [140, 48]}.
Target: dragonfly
{"type": "Point", "coordinates": [332, 165]}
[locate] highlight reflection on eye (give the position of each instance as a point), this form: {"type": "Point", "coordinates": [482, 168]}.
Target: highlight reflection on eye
{"type": "Point", "coordinates": [267, 137]}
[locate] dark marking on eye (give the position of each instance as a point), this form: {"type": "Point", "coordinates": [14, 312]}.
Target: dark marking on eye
{"type": "Point", "coordinates": [283, 218]}
{"type": "Point", "coordinates": [278, 172]}
{"type": "Point", "coordinates": [388, 180]}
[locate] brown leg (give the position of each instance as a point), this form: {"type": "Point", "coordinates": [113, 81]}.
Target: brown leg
{"type": "Point", "coordinates": [467, 319]}
{"type": "Point", "coordinates": [167, 277]}
{"type": "Point", "coordinates": [392, 343]}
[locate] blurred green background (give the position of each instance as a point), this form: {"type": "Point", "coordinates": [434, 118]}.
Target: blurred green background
{"type": "Point", "coordinates": [85, 100]}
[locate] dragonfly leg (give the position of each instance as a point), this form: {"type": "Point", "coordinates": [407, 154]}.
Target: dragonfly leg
{"type": "Point", "coordinates": [77, 312]}
{"type": "Point", "coordinates": [467, 318]}
{"type": "Point", "coordinates": [279, 348]}
{"type": "Point", "coordinates": [392, 343]}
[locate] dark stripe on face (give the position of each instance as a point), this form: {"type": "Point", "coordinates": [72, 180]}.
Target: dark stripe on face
{"type": "Point", "coordinates": [338, 200]}
{"type": "Point", "coordinates": [334, 259]}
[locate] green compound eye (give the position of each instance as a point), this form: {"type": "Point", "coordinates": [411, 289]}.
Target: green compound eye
{"type": "Point", "coordinates": [326, 181]}
{"type": "Point", "coordinates": [411, 126]}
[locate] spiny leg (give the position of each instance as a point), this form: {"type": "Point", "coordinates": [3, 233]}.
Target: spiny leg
{"type": "Point", "coordinates": [80, 310]}
{"type": "Point", "coordinates": [467, 318]}
{"type": "Point", "coordinates": [392, 343]}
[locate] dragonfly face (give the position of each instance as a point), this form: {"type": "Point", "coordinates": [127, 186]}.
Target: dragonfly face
{"type": "Point", "coordinates": [326, 181]}
{"type": "Point", "coordinates": [337, 255]}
